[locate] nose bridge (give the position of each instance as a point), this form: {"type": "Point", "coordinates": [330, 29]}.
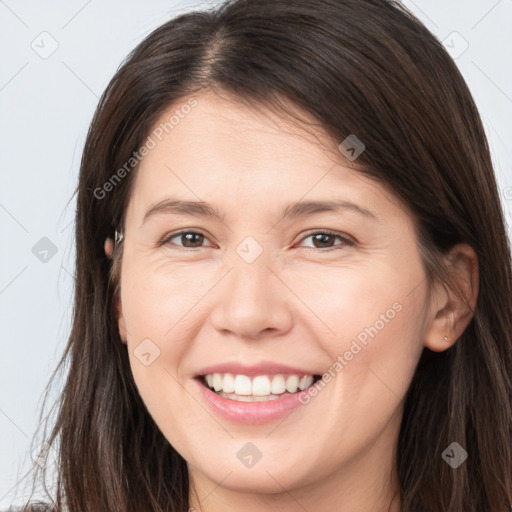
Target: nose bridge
{"type": "Point", "coordinates": [252, 300]}
{"type": "Point", "coordinates": [250, 297]}
{"type": "Point", "coordinates": [251, 279]}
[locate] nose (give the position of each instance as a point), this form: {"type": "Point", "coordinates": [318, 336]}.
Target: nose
{"type": "Point", "coordinates": [253, 302]}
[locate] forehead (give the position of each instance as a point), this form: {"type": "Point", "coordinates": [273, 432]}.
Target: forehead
{"type": "Point", "coordinates": [228, 128]}
{"type": "Point", "coordinates": [219, 150]}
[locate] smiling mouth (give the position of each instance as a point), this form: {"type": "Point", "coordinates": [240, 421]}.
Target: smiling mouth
{"type": "Point", "coordinates": [262, 388]}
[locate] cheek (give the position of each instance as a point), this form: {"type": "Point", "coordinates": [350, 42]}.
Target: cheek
{"type": "Point", "coordinates": [359, 301]}
{"type": "Point", "coordinates": [157, 301]}
{"type": "Point", "coordinates": [370, 323]}
{"type": "Point", "coordinates": [157, 310]}
{"type": "Point", "coordinates": [373, 340]}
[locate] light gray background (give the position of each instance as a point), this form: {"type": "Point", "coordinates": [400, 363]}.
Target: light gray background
{"type": "Point", "coordinates": [46, 106]}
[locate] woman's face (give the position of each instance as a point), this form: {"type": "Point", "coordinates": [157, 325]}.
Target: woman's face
{"type": "Point", "coordinates": [269, 299]}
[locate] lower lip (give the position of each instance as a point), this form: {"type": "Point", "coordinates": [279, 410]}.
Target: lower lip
{"type": "Point", "coordinates": [250, 413]}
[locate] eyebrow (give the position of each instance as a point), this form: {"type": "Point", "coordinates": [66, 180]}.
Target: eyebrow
{"type": "Point", "coordinates": [306, 208]}
{"type": "Point", "coordinates": [293, 210]}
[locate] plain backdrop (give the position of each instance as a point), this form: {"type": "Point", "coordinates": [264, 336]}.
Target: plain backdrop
{"type": "Point", "coordinates": [57, 58]}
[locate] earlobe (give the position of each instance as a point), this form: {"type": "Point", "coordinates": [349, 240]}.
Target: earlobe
{"type": "Point", "coordinates": [109, 247]}
{"type": "Point", "coordinates": [453, 304]}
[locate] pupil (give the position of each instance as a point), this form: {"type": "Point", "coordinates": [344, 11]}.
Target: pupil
{"type": "Point", "coordinates": [321, 237]}
{"type": "Point", "coordinates": [188, 239]}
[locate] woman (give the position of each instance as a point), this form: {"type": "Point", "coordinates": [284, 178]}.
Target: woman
{"type": "Point", "coordinates": [293, 280]}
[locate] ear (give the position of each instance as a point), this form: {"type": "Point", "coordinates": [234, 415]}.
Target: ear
{"type": "Point", "coordinates": [451, 312]}
{"type": "Point", "coordinates": [109, 248]}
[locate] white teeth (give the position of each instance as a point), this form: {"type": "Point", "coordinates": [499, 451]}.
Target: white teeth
{"type": "Point", "coordinates": [228, 384]}
{"type": "Point", "coordinates": [305, 382]}
{"type": "Point", "coordinates": [267, 386]}
{"type": "Point", "coordinates": [242, 385]}
{"type": "Point", "coordinates": [260, 386]}
{"type": "Point", "coordinates": [292, 383]}
{"type": "Point", "coordinates": [217, 381]}
{"type": "Point", "coordinates": [278, 385]}
{"type": "Point", "coordinates": [251, 398]}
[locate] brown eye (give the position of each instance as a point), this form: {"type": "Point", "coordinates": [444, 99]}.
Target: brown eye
{"type": "Point", "coordinates": [187, 239]}
{"type": "Point", "coordinates": [194, 239]}
{"type": "Point", "coordinates": [322, 240]}
{"type": "Point", "coordinates": [325, 240]}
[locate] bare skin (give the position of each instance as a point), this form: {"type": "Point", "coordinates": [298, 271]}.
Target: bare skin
{"type": "Point", "coordinates": [298, 303]}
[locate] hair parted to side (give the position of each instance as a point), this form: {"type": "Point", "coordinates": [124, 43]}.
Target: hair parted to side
{"type": "Point", "coordinates": [366, 67]}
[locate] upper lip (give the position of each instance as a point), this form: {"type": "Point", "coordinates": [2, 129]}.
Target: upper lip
{"type": "Point", "coordinates": [262, 368]}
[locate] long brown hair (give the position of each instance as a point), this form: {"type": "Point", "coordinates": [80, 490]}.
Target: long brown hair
{"type": "Point", "coordinates": [364, 67]}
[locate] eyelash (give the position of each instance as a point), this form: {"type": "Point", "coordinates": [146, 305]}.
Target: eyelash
{"type": "Point", "coordinates": [346, 242]}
